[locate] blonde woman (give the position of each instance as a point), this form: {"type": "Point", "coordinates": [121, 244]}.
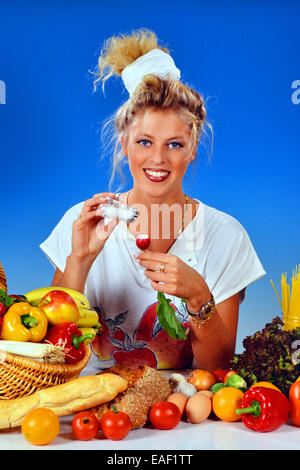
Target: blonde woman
{"type": "Point", "coordinates": [200, 258]}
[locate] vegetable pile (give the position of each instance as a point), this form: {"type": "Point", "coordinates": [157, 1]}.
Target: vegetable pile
{"type": "Point", "coordinates": [49, 323]}
{"type": "Point", "coordinates": [270, 355]}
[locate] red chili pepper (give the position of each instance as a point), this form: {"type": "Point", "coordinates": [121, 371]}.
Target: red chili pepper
{"type": "Point", "coordinates": [264, 409]}
{"type": "Point", "coordinates": [68, 336]}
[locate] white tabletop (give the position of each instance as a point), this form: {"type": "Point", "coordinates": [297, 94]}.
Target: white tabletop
{"type": "Point", "coordinates": [211, 434]}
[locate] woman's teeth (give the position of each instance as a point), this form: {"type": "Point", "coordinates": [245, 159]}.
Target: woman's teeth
{"type": "Point", "coordinates": [157, 173]}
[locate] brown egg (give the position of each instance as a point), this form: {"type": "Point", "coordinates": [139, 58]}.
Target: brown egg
{"type": "Point", "coordinates": [198, 408]}
{"type": "Point", "coordinates": [207, 393]}
{"type": "Point", "coordinates": [180, 400]}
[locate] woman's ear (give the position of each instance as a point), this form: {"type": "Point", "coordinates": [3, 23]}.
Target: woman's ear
{"type": "Point", "coordinates": [124, 146]}
{"type": "Point", "coordinates": [192, 157]}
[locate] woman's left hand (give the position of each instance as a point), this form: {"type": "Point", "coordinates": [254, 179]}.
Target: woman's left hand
{"type": "Point", "coordinates": [177, 277]}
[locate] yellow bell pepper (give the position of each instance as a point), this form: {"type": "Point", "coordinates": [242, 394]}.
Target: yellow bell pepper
{"type": "Point", "coordinates": [22, 322]}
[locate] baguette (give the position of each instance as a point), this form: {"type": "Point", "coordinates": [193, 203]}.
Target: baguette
{"type": "Point", "coordinates": [65, 399]}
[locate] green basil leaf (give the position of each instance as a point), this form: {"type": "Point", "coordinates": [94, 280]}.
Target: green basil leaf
{"type": "Point", "coordinates": [167, 318]}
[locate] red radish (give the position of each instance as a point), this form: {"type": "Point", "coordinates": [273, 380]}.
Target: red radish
{"type": "Point", "coordinates": [2, 309]}
{"type": "Point", "coordinates": [142, 241]}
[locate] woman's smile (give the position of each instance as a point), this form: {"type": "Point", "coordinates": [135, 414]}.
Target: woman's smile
{"type": "Point", "coordinates": [156, 175]}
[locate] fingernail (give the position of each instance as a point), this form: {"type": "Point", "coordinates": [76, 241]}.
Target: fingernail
{"type": "Point", "coordinates": [136, 255]}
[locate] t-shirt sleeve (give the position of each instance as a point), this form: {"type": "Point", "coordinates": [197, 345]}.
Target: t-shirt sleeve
{"type": "Point", "coordinates": [57, 247]}
{"type": "Point", "coordinates": [233, 262]}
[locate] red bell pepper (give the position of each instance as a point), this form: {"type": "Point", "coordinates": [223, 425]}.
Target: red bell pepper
{"type": "Point", "coordinates": [264, 409]}
{"type": "Point", "coordinates": [68, 336]}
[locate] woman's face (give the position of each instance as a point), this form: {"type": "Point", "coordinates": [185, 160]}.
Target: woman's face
{"type": "Point", "coordinates": [158, 146]}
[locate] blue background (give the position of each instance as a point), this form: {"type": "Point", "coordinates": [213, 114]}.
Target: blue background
{"type": "Point", "coordinates": [241, 56]}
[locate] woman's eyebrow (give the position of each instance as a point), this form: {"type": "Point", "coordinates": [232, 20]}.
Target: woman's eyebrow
{"type": "Point", "coordinates": [170, 138]}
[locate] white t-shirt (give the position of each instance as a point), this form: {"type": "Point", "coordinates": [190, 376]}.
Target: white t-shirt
{"type": "Point", "coordinates": [214, 244]}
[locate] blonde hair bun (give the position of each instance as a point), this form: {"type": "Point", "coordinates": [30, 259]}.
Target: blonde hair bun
{"type": "Point", "coordinates": [120, 51]}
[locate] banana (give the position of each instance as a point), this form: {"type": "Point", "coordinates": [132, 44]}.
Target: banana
{"type": "Point", "coordinates": [36, 295]}
{"type": "Point", "coordinates": [88, 318]}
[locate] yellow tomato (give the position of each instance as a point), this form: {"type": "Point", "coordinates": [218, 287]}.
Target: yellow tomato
{"type": "Point", "coordinates": [40, 426]}
{"type": "Point", "coordinates": [225, 401]}
{"type": "Point", "coordinates": [266, 385]}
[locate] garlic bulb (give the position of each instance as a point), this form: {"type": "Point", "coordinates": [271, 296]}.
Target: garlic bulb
{"type": "Point", "coordinates": [186, 388]}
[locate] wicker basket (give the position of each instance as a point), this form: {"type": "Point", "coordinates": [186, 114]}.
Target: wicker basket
{"type": "Point", "coordinates": [20, 376]}
{"type": "Point", "coordinates": [3, 284]}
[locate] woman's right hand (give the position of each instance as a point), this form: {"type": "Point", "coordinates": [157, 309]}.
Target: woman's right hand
{"type": "Point", "coordinates": [89, 233]}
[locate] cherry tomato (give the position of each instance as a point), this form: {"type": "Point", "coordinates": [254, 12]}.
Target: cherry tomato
{"type": "Point", "coordinates": [40, 426]}
{"type": "Point", "coordinates": [225, 401]}
{"type": "Point", "coordinates": [229, 373]}
{"type": "Point", "coordinates": [85, 425]}
{"type": "Point", "coordinates": [266, 385]}
{"type": "Point", "coordinates": [142, 241]}
{"type": "Point", "coordinates": [201, 379]}
{"type": "Point", "coordinates": [165, 415]}
{"type": "Point", "coordinates": [220, 374]}
{"type": "Point", "coordinates": [115, 425]}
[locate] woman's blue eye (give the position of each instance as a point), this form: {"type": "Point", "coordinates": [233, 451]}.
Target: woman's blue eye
{"type": "Point", "coordinates": [178, 145]}
{"type": "Point", "coordinates": [144, 142]}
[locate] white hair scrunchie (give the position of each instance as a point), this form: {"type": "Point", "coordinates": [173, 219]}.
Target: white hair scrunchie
{"type": "Point", "coordinates": [156, 62]}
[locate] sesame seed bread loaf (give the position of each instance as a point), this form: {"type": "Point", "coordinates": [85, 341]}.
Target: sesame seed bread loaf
{"type": "Point", "coordinates": [146, 386]}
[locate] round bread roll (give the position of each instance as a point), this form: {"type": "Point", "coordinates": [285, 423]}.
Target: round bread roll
{"type": "Point", "coordinates": [146, 386]}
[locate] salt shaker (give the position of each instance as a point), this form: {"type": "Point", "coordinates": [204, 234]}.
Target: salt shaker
{"type": "Point", "coordinates": [113, 209]}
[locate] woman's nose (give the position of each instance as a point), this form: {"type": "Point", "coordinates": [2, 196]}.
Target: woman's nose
{"type": "Point", "coordinates": [158, 155]}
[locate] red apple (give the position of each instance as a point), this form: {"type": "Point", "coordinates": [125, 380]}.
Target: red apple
{"type": "Point", "coordinates": [59, 307]}
{"type": "Point", "coordinates": [142, 241]}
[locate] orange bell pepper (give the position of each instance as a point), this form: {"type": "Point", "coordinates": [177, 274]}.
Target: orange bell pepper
{"type": "Point", "coordinates": [266, 385]}
{"type": "Point", "coordinates": [294, 397]}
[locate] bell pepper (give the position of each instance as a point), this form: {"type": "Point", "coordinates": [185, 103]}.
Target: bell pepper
{"type": "Point", "coordinates": [68, 336]}
{"type": "Point", "coordinates": [22, 322]}
{"type": "Point", "coordinates": [294, 396]}
{"type": "Point", "coordinates": [264, 409]}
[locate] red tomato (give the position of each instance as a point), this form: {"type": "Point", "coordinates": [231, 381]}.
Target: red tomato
{"type": "Point", "coordinates": [115, 424]}
{"type": "Point", "coordinates": [165, 415]}
{"type": "Point", "coordinates": [142, 241]}
{"type": "Point", "coordinates": [220, 374]}
{"type": "Point", "coordinates": [85, 425]}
